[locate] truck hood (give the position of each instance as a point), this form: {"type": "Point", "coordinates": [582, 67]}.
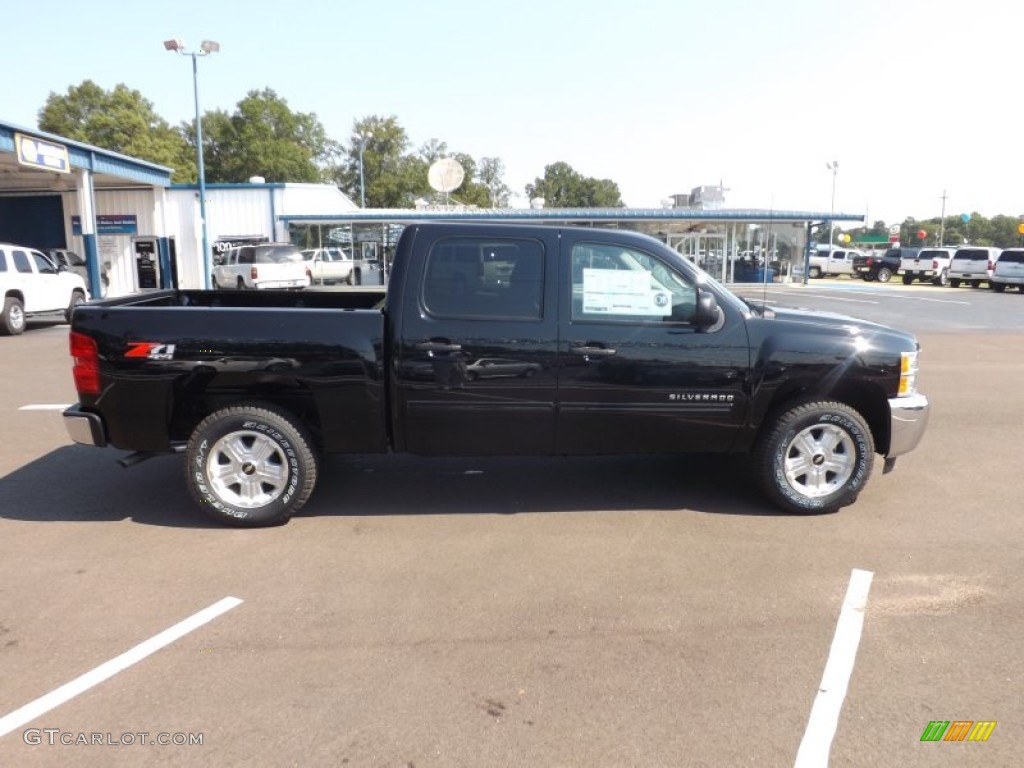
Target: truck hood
{"type": "Point", "coordinates": [806, 320]}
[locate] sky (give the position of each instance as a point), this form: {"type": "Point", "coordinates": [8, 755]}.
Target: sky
{"type": "Point", "coordinates": [912, 99]}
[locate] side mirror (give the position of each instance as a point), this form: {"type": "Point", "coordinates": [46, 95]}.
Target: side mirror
{"type": "Point", "coordinates": [707, 310]}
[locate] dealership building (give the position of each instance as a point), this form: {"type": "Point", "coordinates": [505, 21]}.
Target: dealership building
{"type": "Point", "coordinates": [138, 231]}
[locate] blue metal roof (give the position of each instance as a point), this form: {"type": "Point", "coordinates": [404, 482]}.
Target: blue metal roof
{"type": "Point", "coordinates": [96, 159]}
{"type": "Point", "coordinates": [378, 215]}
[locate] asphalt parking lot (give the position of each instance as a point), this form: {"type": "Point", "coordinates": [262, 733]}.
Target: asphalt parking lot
{"type": "Point", "coordinates": [523, 612]}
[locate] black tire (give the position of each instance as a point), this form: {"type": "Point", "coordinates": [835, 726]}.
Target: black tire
{"type": "Point", "coordinates": [884, 275]}
{"type": "Point", "coordinates": [77, 297]}
{"type": "Point", "coordinates": [814, 273]}
{"type": "Point", "coordinates": [240, 284]}
{"type": "Point", "coordinates": [12, 322]}
{"type": "Point", "coordinates": [819, 433]}
{"type": "Point", "coordinates": [908, 279]}
{"type": "Point", "coordinates": [356, 278]}
{"type": "Point", "coordinates": [954, 282]}
{"type": "Point", "coordinates": [975, 283]}
{"type": "Point", "coordinates": [269, 468]}
{"type": "Point", "coordinates": [997, 287]}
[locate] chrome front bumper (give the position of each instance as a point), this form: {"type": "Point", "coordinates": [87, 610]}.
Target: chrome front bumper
{"type": "Point", "coordinates": [908, 418]}
{"type": "Point", "coordinates": [84, 428]}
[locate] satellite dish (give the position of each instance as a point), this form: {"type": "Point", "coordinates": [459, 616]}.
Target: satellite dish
{"type": "Point", "coordinates": [445, 175]}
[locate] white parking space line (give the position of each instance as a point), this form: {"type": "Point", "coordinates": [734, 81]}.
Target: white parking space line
{"type": "Point", "coordinates": [45, 407]}
{"type": "Point", "coordinates": [105, 671]}
{"type": "Point", "coordinates": [821, 727]}
{"type": "Point", "coordinates": [825, 296]}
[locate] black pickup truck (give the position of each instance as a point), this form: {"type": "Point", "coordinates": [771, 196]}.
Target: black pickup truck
{"type": "Point", "coordinates": [492, 339]}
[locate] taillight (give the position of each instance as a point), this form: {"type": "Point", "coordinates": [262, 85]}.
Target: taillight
{"type": "Point", "coordinates": [86, 369]}
{"type": "Point", "coordinates": [870, 261]}
{"type": "Point", "coordinates": [991, 265]}
{"type": "Point", "coordinates": [935, 263]}
{"type": "Point", "coordinates": [253, 273]}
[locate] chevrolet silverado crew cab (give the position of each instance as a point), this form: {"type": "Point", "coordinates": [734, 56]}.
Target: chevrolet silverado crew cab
{"type": "Point", "coordinates": [930, 264]}
{"type": "Point", "coordinates": [33, 286]}
{"type": "Point", "coordinates": [492, 339]}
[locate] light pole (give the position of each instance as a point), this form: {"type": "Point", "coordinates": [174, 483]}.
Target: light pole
{"type": "Point", "coordinates": [834, 167]}
{"type": "Point", "coordinates": [205, 49]}
{"type": "Point", "coordinates": [362, 138]}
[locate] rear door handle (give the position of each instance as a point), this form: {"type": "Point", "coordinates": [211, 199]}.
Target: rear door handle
{"type": "Point", "coordinates": [438, 346]}
{"type": "Point", "coordinates": [587, 351]}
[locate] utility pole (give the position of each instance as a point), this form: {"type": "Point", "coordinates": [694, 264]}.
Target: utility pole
{"type": "Point", "coordinates": [942, 221]}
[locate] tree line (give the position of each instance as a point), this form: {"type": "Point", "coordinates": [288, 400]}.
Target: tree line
{"type": "Point", "coordinates": [264, 137]}
{"type": "Point", "coordinates": [952, 231]}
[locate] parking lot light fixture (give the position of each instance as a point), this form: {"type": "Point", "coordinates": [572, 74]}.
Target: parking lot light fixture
{"type": "Point", "coordinates": [362, 138]}
{"type": "Point", "coordinates": [834, 167]}
{"type": "Point", "coordinates": [205, 49]}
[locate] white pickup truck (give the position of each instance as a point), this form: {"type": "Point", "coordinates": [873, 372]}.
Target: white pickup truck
{"type": "Point", "coordinates": [32, 285]}
{"type": "Point", "coordinates": [328, 265]}
{"type": "Point", "coordinates": [930, 264]}
{"type": "Point", "coordinates": [838, 261]}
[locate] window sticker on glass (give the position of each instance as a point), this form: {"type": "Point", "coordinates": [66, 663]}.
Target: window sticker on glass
{"type": "Point", "coordinates": [623, 292]}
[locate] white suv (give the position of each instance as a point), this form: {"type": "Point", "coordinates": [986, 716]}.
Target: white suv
{"type": "Point", "coordinates": [972, 264]}
{"type": "Point", "coordinates": [32, 285]}
{"type": "Point", "coordinates": [1009, 270]}
{"type": "Point", "coordinates": [262, 266]}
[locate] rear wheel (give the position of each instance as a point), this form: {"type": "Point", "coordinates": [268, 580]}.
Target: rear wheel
{"type": "Point", "coordinates": [908, 279]}
{"type": "Point", "coordinates": [954, 282]}
{"type": "Point", "coordinates": [250, 465]}
{"type": "Point", "coordinates": [942, 279]}
{"type": "Point", "coordinates": [77, 297]}
{"type": "Point", "coordinates": [12, 322]}
{"type": "Point", "coordinates": [815, 457]}
{"type": "Point", "coordinates": [997, 287]}
{"type": "Point", "coordinates": [884, 275]}
{"type": "Point", "coordinates": [814, 272]}
{"type": "Point", "coordinates": [975, 283]}
{"type": "Point", "coordinates": [241, 284]}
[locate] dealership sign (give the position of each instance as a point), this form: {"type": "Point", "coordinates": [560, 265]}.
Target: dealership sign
{"type": "Point", "coordinates": [109, 224]}
{"type": "Point", "coordinates": [42, 154]}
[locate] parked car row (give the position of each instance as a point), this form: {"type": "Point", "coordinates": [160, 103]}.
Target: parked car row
{"type": "Point", "coordinates": [969, 265]}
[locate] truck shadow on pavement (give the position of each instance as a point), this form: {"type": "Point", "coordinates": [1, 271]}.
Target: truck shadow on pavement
{"type": "Point", "coordinates": [79, 484]}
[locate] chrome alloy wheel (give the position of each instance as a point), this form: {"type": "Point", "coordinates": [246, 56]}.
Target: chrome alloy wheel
{"type": "Point", "coordinates": [17, 317]}
{"type": "Point", "coordinates": [819, 460]}
{"type": "Point", "coordinates": [247, 469]}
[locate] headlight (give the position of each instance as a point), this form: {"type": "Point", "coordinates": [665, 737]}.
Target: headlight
{"type": "Point", "coordinates": [908, 373]}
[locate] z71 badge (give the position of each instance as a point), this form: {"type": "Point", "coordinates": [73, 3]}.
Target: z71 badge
{"type": "Point", "coordinates": [150, 350]}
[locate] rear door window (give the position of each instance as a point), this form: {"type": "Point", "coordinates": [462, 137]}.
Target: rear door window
{"type": "Point", "coordinates": [21, 262]}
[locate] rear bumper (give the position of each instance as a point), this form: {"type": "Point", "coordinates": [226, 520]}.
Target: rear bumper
{"type": "Point", "coordinates": [908, 419]}
{"type": "Point", "coordinates": [85, 428]}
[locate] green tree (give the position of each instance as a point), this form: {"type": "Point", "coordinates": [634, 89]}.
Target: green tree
{"type": "Point", "coordinates": [490, 174]}
{"type": "Point", "coordinates": [393, 178]}
{"type": "Point", "coordinates": [120, 120]}
{"type": "Point", "coordinates": [264, 137]}
{"type": "Point", "coordinates": [563, 187]}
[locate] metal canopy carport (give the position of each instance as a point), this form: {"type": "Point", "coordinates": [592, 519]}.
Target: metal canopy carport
{"type": "Point", "coordinates": [73, 167]}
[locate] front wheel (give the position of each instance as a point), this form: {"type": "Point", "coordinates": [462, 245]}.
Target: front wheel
{"type": "Point", "coordinates": [884, 275]}
{"type": "Point", "coordinates": [250, 465]}
{"type": "Point", "coordinates": [814, 273]}
{"type": "Point", "coordinates": [815, 457]}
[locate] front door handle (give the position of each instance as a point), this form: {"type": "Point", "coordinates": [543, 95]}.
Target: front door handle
{"type": "Point", "coordinates": [588, 351]}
